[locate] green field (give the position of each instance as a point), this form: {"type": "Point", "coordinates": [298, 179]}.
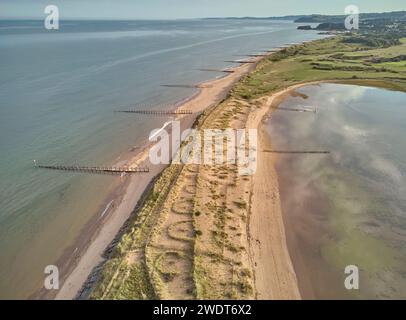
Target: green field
{"type": "Point", "coordinates": [328, 59]}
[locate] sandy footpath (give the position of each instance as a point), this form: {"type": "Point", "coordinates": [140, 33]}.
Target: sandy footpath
{"type": "Point", "coordinates": [213, 92]}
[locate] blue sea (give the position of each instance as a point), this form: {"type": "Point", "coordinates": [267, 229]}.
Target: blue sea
{"type": "Point", "coordinates": [58, 93]}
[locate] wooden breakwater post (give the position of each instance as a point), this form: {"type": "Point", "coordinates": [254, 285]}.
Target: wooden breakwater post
{"type": "Point", "coordinates": [217, 70]}
{"type": "Point", "coordinates": [239, 61]}
{"type": "Point", "coordinates": [297, 151]}
{"type": "Point", "coordinates": [252, 55]}
{"type": "Point", "coordinates": [156, 112]}
{"type": "Point", "coordinates": [192, 86]}
{"type": "Point", "coordinates": [94, 169]}
{"type": "Point", "coordinates": [295, 109]}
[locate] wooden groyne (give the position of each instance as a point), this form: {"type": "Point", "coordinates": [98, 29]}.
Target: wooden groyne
{"type": "Point", "coordinates": [156, 112]}
{"type": "Point", "coordinates": [257, 55]}
{"type": "Point", "coordinates": [96, 170]}
{"type": "Point", "coordinates": [296, 152]}
{"type": "Point", "coordinates": [295, 109]}
{"type": "Point", "coordinates": [217, 70]}
{"type": "Point", "coordinates": [239, 61]}
{"type": "Point", "coordinates": [192, 86]}
{"type": "Point", "coordinates": [252, 55]}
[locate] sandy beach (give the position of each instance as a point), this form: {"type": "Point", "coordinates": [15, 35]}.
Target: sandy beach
{"type": "Point", "coordinates": [91, 255]}
{"type": "Point", "coordinates": [274, 276]}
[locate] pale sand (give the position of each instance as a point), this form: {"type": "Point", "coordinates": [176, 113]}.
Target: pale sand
{"type": "Point", "coordinates": [275, 277]}
{"type": "Point", "coordinates": [92, 255]}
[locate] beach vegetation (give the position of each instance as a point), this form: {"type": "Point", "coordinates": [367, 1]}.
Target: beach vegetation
{"type": "Point", "coordinates": [137, 270]}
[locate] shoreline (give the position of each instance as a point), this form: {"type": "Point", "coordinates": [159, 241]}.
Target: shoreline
{"type": "Point", "coordinates": [91, 250]}
{"type": "Point", "coordinates": [102, 238]}
{"type": "Point", "coordinates": [303, 232]}
{"type": "Point", "coordinates": [201, 100]}
{"type": "Point", "coordinates": [108, 232]}
{"type": "Point", "coordinates": [275, 273]}
{"type": "Point", "coordinates": [275, 276]}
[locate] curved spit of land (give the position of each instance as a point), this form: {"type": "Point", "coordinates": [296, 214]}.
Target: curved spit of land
{"type": "Point", "coordinates": [206, 232]}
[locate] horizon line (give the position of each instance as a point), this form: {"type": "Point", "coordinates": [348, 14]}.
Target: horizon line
{"type": "Point", "coordinates": [193, 18]}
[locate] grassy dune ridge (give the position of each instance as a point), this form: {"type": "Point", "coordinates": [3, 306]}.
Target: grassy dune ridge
{"type": "Point", "coordinates": [189, 239]}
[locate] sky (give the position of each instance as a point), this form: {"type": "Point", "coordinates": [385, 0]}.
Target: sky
{"type": "Point", "coordinates": [180, 9]}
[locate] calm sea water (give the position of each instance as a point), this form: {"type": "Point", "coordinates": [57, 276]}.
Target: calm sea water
{"type": "Point", "coordinates": [349, 207]}
{"type": "Point", "coordinates": [58, 91]}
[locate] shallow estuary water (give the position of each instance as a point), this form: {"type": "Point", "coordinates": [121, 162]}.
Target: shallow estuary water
{"type": "Point", "coordinates": [347, 207]}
